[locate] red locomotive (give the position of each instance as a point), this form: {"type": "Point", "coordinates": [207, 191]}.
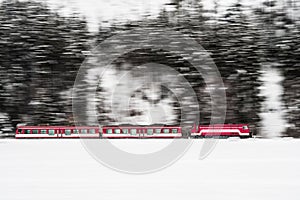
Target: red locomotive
{"type": "Point", "coordinates": [223, 130]}
{"type": "Point", "coordinates": [226, 130]}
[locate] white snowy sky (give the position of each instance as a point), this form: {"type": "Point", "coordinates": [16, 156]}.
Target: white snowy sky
{"type": "Point", "coordinates": [102, 10]}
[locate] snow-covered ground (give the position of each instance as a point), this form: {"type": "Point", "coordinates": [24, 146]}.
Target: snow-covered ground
{"type": "Point", "coordinates": [236, 169]}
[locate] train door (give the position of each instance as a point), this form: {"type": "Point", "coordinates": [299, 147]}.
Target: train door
{"type": "Point", "coordinates": [141, 133]}
{"type": "Point", "coordinates": [58, 132]}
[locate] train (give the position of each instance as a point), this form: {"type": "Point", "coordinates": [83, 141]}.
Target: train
{"type": "Point", "coordinates": [132, 131]}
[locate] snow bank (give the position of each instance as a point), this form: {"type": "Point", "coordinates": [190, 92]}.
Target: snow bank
{"type": "Point", "coordinates": [236, 169]}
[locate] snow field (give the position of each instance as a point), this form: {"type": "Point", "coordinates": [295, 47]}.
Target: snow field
{"type": "Point", "coordinates": [236, 169]}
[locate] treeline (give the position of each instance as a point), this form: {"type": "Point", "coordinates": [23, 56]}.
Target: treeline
{"type": "Point", "coordinates": [41, 52]}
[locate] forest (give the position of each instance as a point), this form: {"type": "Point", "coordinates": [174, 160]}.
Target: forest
{"type": "Point", "coordinates": [41, 51]}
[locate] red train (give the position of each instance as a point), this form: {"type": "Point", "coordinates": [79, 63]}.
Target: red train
{"type": "Point", "coordinates": [226, 130]}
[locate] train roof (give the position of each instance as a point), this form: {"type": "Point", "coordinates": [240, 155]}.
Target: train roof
{"type": "Point", "coordinates": [128, 126]}
{"type": "Point", "coordinates": [223, 125]}
{"type": "Point", "coordinates": [141, 126]}
{"type": "Point", "coordinates": [55, 127]}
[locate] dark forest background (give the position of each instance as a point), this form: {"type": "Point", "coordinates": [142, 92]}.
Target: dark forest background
{"type": "Point", "coordinates": [41, 52]}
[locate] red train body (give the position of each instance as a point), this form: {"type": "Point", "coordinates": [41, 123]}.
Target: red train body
{"type": "Point", "coordinates": [57, 132]}
{"type": "Point", "coordinates": [227, 130]}
{"type": "Point", "coordinates": [141, 132]}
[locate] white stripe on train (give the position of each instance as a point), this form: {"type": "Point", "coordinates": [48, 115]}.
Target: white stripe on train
{"type": "Point", "coordinates": [220, 131]}
{"type": "Point", "coordinates": [57, 136]}
{"type": "Point", "coordinates": [140, 135]}
{"type": "Point", "coordinates": [125, 135]}
{"type": "Point", "coordinates": [95, 136]}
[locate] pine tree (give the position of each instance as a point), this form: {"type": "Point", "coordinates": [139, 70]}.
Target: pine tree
{"type": "Point", "coordinates": [41, 52]}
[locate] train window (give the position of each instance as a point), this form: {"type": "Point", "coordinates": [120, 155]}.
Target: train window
{"type": "Point", "coordinates": [245, 127]}
{"type": "Point", "coordinates": [83, 131]}
{"type": "Point", "coordinates": [19, 131]}
{"type": "Point", "coordinates": [133, 131]}
{"type": "Point", "coordinates": [166, 131]}
{"type": "Point", "coordinates": [109, 131]}
{"type": "Point", "coordinates": [174, 130]}
{"type": "Point", "coordinates": [68, 132]}
{"type": "Point", "coordinates": [76, 131]}
{"type": "Point", "coordinates": [117, 131]}
{"type": "Point", "coordinates": [157, 131]}
{"type": "Point", "coordinates": [27, 131]}
{"type": "Point", "coordinates": [51, 132]}
{"type": "Point", "coordinates": [35, 131]}
{"type": "Point", "coordinates": [149, 131]}
{"type": "Point", "coordinates": [125, 131]}
{"type": "Point", "coordinates": [92, 131]}
{"type": "Point", "coordinates": [43, 131]}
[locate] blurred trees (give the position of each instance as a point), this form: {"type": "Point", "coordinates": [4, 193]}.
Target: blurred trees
{"type": "Point", "coordinates": [279, 48]}
{"type": "Point", "coordinates": [234, 49]}
{"type": "Point", "coordinates": [231, 40]}
{"type": "Point", "coordinates": [289, 55]}
{"type": "Point", "coordinates": [242, 41]}
{"type": "Point", "coordinates": [40, 53]}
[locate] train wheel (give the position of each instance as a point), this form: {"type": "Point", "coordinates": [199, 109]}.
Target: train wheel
{"type": "Point", "coordinates": [245, 137]}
